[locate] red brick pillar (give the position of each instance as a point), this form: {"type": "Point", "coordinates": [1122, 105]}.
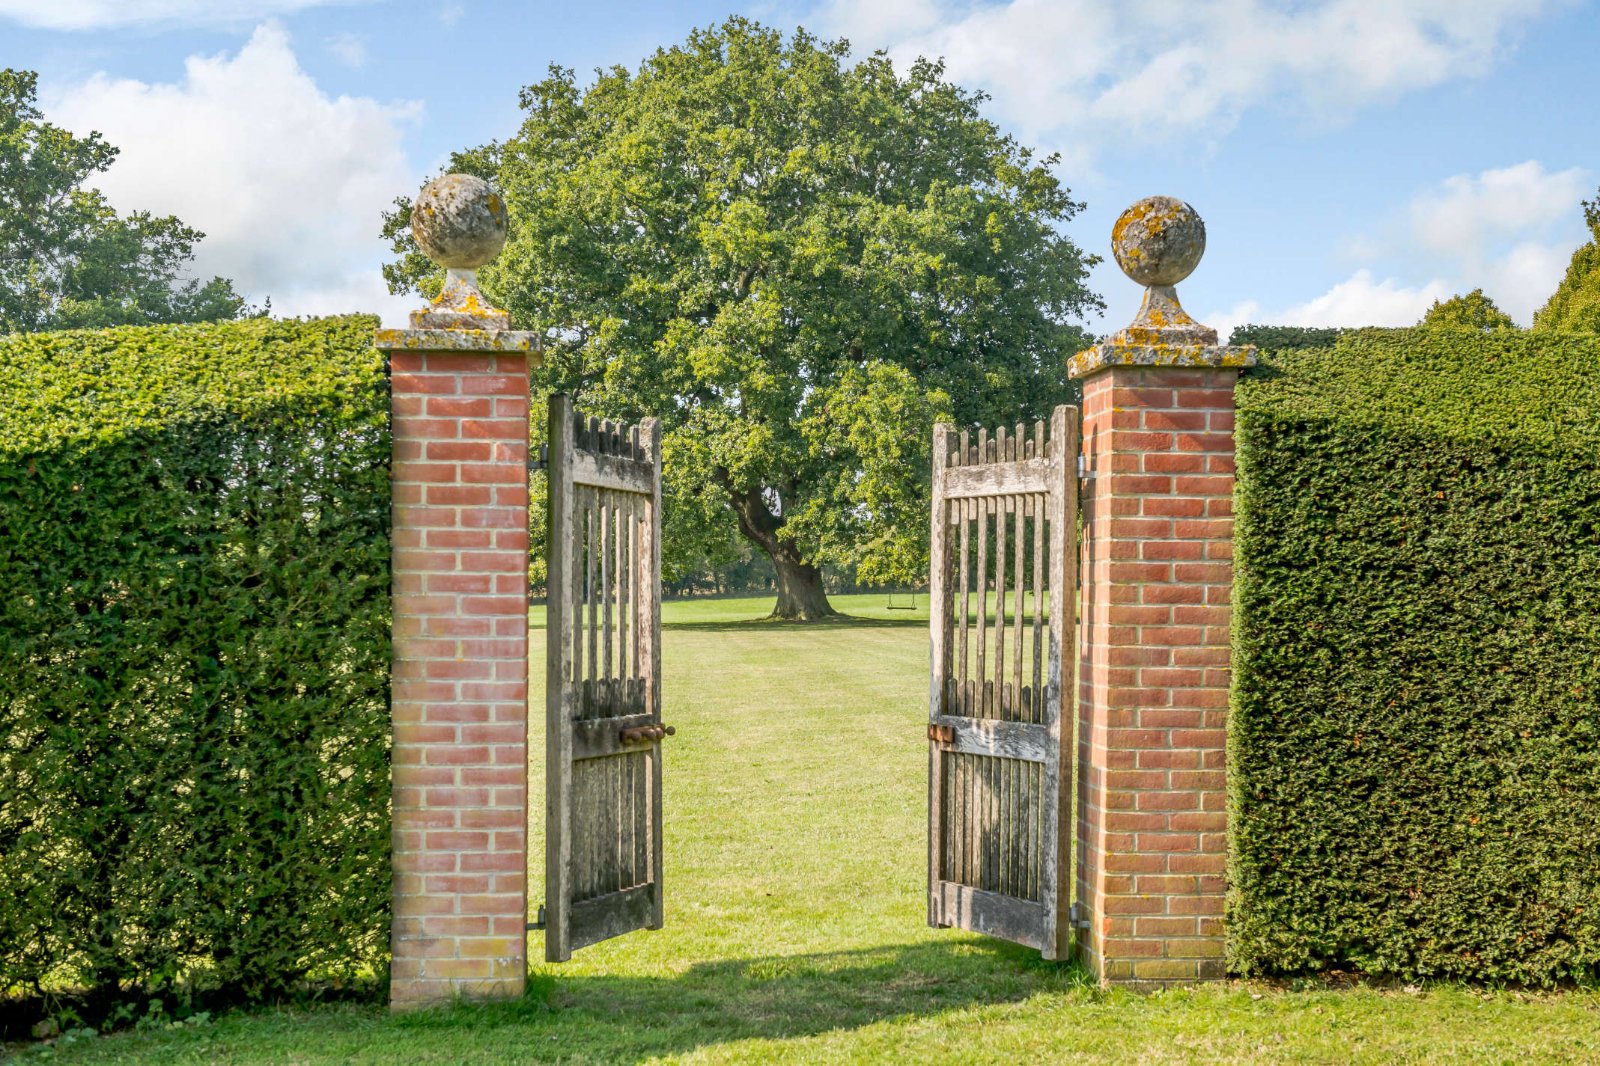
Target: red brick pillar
{"type": "Point", "coordinates": [1154, 643]}
{"type": "Point", "coordinates": [460, 697]}
{"type": "Point", "coordinates": [459, 763]}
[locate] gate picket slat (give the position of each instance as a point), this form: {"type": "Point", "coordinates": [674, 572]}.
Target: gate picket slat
{"type": "Point", "coordinates": [591, 497]}
{"type": "Point", "coordinates": [1001, 505]}
{"type": "Point", "coordinates": [964, 509]}
{"type": "Point", "coordinates": [575, 514]}
{"type": "Point", "coordinates": [607, 550]}
{"type": "Point", "coordinates": [981, 506]}
{"type": "Point", "coordinates": [624, 590]}
{"type": "Point", "coordinates": [1003, 825]}
{"type": "Point", "coordinates": [1039, 593]}
{"type": "Point", "coordinates": [1019, 584]}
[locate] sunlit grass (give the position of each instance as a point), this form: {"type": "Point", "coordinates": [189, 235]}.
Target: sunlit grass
{"type": "Point", "coordinates": [795, 797]}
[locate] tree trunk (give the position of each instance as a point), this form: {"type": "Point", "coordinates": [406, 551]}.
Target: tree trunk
{"type": "Point", "coordinates": [800, 594]}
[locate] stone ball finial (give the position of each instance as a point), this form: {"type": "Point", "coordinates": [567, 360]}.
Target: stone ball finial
{"type": "Point", "coordinates": [460, 221]}
{"type": "Point", "coordinates": [1158, 241]}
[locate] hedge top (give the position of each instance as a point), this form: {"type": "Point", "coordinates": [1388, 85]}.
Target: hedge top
{"type": "Point", "coordinates": [1453, 383]}
{"type": "Point", "coordinates": [96, 385]}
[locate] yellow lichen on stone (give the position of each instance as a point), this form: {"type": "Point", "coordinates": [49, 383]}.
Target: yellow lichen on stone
{"type": "Point", "coordinates": [1216, 357]}
{"type": "Point", "coordinates": [458, 340]}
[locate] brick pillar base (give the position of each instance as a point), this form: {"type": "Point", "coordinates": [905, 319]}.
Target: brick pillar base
{"type": "Point", "coordinates": [1153, 675]}
{"type": "Point", "coordinates": [460, 695]}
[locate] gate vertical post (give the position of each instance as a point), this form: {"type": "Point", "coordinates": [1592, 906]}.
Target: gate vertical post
{"type": "Point", "coordinates": [459, 380]}
{"type": "Point", "coordinates": [1154, 649]}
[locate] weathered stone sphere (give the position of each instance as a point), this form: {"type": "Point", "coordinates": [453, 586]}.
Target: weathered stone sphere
{"type": "Point", "coordinates": [459, 221]}
{"type": "Point", "coordinates": [1158, 241]}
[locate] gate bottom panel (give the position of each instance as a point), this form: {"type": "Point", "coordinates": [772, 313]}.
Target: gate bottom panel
{"type": "Point", "coordinates": [613, 914]}
{"type": "Point", "coordinates": [1006, 917]}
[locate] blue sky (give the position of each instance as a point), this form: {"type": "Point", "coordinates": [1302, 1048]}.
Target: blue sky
{"type": "Point", "coordinates": [1354, 159]}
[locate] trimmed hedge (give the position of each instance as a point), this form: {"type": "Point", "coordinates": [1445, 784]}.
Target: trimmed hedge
{"type": "Point", "coordinates": [194, 658]}
{"type": "Point", "coordinates": [1282, 338]}
{"type": "Point", "coordinates": [1414, 761]}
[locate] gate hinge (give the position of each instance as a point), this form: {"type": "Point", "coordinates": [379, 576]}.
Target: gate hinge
{"type": "Point", "coordinates": [539, 919]}
{"type": "Point", "coordinates": [543, 461]}
{"type": "Point", "coordinates": [1074, 916]}
{"type": "Point", "coordinates": [1083, 467]}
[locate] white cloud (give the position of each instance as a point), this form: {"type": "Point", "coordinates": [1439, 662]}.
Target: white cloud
{"type": "Point", "coordinates": [1522, 280]}
{"type": "Point", "coordinates": [349, 49]}
{"type": "Point", "coordinates": [286, 182]}
{"type": "Point", "coordinates": [112, 14]}
{"type": "Point", "coordinates": [1509, 231]}
{"type": "Point", "coordinates": [1467, 214]}
{"type": "Point", "coordinates": [1357, 301]}
{"type": "Point", "coordinates": [871, 25]}
{"type": "Point", "coordinates": [452, 12]}
{"type": "Point", "coordinates": [1082, 73]}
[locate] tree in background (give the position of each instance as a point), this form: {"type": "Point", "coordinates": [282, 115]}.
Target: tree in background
{"type": "Point", "coordinates": [1472, 311]}
{"type": "Point", "coordinates": [67, 259]}
{"type": "Point", "coordinates": [798, 263]}
{"type": "Point", "coordinates": [1575, 305]}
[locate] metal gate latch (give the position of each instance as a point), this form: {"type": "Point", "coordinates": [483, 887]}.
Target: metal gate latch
{"type": "Point", "coordinates": [642, 734]}
{"type": "Point", "coordinates": [942, 734]}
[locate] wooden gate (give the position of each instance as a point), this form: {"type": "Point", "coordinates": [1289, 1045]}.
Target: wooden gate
{"type": "Point", "coordinates": [1003, 599]}
{"type": "Point", "coordinates": [603, 682]}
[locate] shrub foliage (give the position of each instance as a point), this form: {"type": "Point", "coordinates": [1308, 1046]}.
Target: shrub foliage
{"type": "Point", "coordinates": [194, 657]}
{"type": "Point", "coordinates": [1575, 305]}
{"type": "Point", "coordinates": [1415, 735]}
{"type": "Point", "coordinates": [1280, 338]}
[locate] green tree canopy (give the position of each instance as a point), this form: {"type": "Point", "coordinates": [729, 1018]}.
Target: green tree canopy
{"type": "Point", "coordinates": [67, 259]}
{"type": "Point", "coordinates": [1472, 311]}
{"type": "Point", "coordinates": [1575, 305]}
{"type": "Point", "coordinates": [798, 262]}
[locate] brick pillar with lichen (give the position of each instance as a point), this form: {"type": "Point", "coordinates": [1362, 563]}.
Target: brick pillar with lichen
{"type": "Point", "coordinates": [459, 380]}
{"type": "Point", "coordinates": [1157, 580]}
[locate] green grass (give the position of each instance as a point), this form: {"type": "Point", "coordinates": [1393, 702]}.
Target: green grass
{"type": "Point", "coordinates": [795, 800]}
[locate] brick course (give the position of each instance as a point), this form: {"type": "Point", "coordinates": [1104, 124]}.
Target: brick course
{"type": "Point", "coordinates": [460, 675]}
{"type": "Point", "coordinates": [1153, 671]}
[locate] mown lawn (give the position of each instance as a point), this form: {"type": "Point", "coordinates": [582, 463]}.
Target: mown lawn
{"type": "Point", "coordinates": [795, 803]}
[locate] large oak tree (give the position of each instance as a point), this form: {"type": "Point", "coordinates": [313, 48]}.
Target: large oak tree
{"type": "Point", "coordinates": [798, 262]}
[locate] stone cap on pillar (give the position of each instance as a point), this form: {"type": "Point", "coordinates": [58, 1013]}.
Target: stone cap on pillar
{"type": "Point", "coordinates": [460, 222]}
{"type": "Point", "coordinates": [1158, 242]}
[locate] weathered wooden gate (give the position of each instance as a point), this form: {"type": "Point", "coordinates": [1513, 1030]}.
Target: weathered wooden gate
{"type": "Point", "coordinates": [603, 682]}
{"type": "Point", "coordinates": [1003, 599]}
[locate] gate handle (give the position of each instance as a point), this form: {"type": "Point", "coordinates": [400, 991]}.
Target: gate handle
{"type": "Point", "coordinates": [646, 733]}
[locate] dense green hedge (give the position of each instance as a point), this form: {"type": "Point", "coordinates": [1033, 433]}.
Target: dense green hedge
{"type": "Point", "coordinates": [1282, 338]}
{"type": "Point", "coordinates": [194, 657]}
{"type": "Point", "coordinates": [1414, 757]}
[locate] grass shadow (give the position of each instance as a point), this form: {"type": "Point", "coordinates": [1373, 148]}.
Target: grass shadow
{"type": "Point", "coordinates": [843, 621]}
{"type": "Point", "coordinates": [777, 997]}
